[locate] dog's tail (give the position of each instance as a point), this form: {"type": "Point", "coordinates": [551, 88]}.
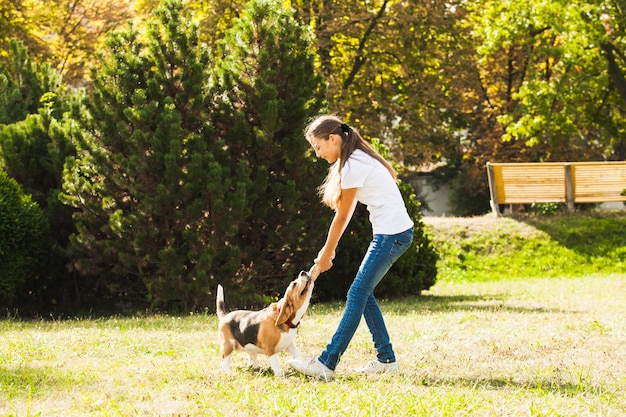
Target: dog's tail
{"type": "Point", "coordinates": [219, 302]}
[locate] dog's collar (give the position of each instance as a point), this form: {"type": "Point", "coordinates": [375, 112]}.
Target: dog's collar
{"type": "Point", "coordinates": [289, 322]}
{"type": "Point", "coordinates": [291, 325]}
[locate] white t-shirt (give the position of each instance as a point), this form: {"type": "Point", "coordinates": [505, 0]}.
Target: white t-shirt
{"type": "Point", "coordinates": [377, 189]}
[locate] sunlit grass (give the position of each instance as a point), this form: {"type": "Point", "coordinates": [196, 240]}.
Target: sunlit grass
{"type": "Point", "coordinates": [532, 347]}
{"type": "Point", "coordinates": [489, 248]}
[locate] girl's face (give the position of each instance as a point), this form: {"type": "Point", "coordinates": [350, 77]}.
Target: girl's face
{"type": "Point", "coordinates": [328, 149]}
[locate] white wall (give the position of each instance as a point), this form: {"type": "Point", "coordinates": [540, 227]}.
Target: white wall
{"type": "Point", "coordinates": [437, 200]}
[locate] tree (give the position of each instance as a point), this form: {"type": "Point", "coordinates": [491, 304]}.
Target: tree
{"type": "Point", "coordinates": [548, 89]}
{"type": "Point", "coordinates": [23, 83]}
{"type": "Point", "coordinates": [406, 72]}
{"type": "Point", "coordinates": [75, 31]}
{"type": "Point", "coordinates": [33, 104]}
{"type": "Point", "coordinates": [176, 186]}
{"type": "Point", "coordinates": [15, 23]}
{"type": "Point", "coordinates": [214, 17]}
{"type": "Point", "coordinates": [157, 204]}
{"type": "Point", "coordinates": [34, 143]}
{"type": "Point", "coordinates": [65, 33]}
{"type": "Point", "coordinates": [566, 88]}
{"type": "Point", "coordinates": [388, 65]}
{"type": "Point", "coordinates": [268, 73]}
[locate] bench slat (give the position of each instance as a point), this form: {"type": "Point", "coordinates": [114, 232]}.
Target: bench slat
{"type": "Point", "coordinates": [591, 182]}
{"type": "Point", "coordinates": [598, 182]}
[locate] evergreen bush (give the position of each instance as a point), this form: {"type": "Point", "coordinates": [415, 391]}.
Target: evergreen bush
{"type": "Point", "coordinates": [185, 176]}
{"type": "Point", "coordinates": [156, 202]}
{"type": "Point", "coordinates": [34, 144]}
{"type": "Point", "coordinates": [269, 76]}
{"type": "Point", "coordinates": [23, 83]}
{"type": "Point", "coordinates": [24, 238]}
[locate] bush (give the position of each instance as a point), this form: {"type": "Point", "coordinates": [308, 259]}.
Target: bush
{"type": "Point", "coordinates": [24, 238]}
{"type": "Point", "coordinates": [547, 209]}
{"type": "Point", "coordinates": [34, 144]}
{"type": "Point", "coordinates": [191, 173]}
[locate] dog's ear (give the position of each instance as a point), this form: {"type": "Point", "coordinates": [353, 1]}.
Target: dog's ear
{"type": "Point", "coordinates": [285, 310]}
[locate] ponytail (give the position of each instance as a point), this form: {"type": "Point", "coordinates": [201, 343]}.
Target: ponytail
{"type": "Point", "coordinates": [351, 140]}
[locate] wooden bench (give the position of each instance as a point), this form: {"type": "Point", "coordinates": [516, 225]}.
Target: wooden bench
{"type": "Point", "coordinates": [556, 182]}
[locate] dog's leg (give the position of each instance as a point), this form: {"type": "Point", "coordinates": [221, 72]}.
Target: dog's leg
{"type": "Point", "coordinates": [253, 363]}
{"type": "Point", "coordinates": [226, 363]}
{"type": "Point", "coordinates": [275, 365]}
{"type": "Point", "coordinates": [228, 347]}
{"type": "Point", "coordinates": [293, 349]}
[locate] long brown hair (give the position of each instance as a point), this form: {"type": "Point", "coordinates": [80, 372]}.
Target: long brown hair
{"type": "Point", "coordinates": [320, 129]}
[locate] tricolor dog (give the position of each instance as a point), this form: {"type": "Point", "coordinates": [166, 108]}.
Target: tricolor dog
{"type": "Point", "coordinates": [268, 331]}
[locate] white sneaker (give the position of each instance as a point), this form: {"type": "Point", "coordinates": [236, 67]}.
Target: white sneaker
{"type": "Point", "coordinates": [376, 367]}
{"type": "Point", "coordinates": [312, 367]}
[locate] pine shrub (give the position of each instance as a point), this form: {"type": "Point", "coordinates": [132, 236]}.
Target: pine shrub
{"type": "Point", "coordinates": [269, 76]}
{"type": "Point", "coordinates": [186, 176]}
{"type": "Point", "coordinates": [34, 144]}
{"type": "Point", "coordinates": [24, 238]}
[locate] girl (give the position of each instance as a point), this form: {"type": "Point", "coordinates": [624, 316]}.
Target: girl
{"type": "Point", "coordinates": [358, 174]}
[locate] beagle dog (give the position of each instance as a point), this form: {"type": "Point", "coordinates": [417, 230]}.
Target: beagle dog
{"type": "Point", "coordinates": [268, 331]}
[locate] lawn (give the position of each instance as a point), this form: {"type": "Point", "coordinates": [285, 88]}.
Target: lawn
{"type": "Point", "coordinates": [508, 347]}
{"type": "Point", "coordinates": [488, 248]}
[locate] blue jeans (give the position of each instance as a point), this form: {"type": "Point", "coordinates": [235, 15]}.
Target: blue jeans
{"type": "Point", "coordinates": [383, 251]}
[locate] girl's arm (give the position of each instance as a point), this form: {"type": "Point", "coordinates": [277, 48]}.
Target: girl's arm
{"type": "Point", "coordinates": [345, 210]}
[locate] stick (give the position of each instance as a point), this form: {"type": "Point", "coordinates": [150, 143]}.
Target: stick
{"type": "Point", "coordinates": [314, 272]}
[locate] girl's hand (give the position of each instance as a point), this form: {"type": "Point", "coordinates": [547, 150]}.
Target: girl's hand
{"type": "Point", "coordinates": [324, 260]}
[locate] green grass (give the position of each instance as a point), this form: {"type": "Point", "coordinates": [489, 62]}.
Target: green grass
{"type": "Point", "coordinates": [516, 345]}
{"type": "Point", "coordinates": [489, 248]}
{"type": "Point", "coordinates": [540, 347]}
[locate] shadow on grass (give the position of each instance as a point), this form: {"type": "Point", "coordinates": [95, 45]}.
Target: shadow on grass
{"type": "Point", "coordinates": [437, 303]}
{"type": "Point", "coordinates": [568, 389]}
{"type": "Point", "coordinates": [589, 234]}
